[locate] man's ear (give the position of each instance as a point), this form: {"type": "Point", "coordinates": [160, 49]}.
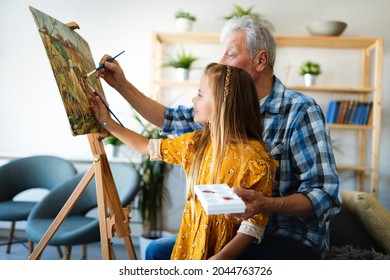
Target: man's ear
{"type": "Point", "coordinates": [261, 60]}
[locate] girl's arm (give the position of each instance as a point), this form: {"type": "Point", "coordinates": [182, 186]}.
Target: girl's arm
{"type": "Point", "coordinates": [129, 137]}
{"type": "Point", "coordinates": [234, 247]}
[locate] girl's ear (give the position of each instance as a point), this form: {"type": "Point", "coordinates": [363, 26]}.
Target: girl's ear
{"type": "Point", "coordinates": [261, 60]}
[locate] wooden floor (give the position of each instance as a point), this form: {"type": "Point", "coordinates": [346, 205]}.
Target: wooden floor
{"type": "Point", "coordinates": [19, 251]}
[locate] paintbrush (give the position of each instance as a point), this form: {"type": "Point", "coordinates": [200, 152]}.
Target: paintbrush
{"type": "Point", "coordinates": [102, 65]}
{"type": "Point", "coordinates": [105, 104]}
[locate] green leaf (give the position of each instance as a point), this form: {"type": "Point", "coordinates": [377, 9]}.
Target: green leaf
{"type": "Point", "coordinates": [182, 60]}
{"type": "Point", "coordinates": [310, 67]}
{"type": "Point", "coordinates": [183, 14]}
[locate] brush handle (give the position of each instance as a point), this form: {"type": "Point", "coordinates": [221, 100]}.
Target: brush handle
{"type": "Point", "coordinates": [109, 60]}
{"type": "Point", "coordinates": [112, 113]}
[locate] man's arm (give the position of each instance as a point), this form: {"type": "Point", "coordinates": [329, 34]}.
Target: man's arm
{"type": "Point", "coordinates": [113, 74]}
{"type": "Point", "coordinates": [295, 205]}
{"type": "Point", "coordinates": [150, 109]}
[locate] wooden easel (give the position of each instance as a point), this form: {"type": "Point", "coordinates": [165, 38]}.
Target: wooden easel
{"type": "Point", "coordinates": [108, 202]}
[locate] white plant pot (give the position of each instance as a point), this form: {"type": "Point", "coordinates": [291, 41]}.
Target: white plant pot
{"type": "Point", "coordinates": [145, 241]}
{"type": "Point", "coordinates": [182, 74]}
{"type": "Point", "coordinates": [112, 150]}
{"type": "Point", "coordinates": [183, 24]}
{"type": "Point", "coordinates": [310, 80]}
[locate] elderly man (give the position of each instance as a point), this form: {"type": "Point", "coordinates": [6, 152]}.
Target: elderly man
{"type": "Point", "coordinates": [306, 195]}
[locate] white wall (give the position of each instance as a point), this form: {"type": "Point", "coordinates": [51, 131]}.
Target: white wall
{"type": "Point", "coordinates": [32, 117]}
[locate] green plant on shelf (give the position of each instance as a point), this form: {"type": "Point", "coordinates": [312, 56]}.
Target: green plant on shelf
{"type": "Point", "coordinates": [310, 67]}
{"type": "Point", "coordinates": [183, 14]}
{"type": "Point", "coordinates": [240, 12]}
{"type": "Point", "coordinates": [182, 60]}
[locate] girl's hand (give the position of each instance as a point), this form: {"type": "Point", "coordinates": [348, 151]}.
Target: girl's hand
{"type": "Point", "coordinates": [100, 111]}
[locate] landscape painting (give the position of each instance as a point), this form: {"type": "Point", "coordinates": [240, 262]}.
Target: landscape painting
{"type": "Point", "coordinates": [70, 59]}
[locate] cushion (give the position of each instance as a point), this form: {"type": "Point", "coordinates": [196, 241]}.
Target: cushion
{"type": "Point", "coordinates": [346, 230]}
{"type": "Point", "coordinates": [372, 215]}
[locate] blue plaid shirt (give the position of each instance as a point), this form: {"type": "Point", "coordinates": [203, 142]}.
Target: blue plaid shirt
{"type": "Point", "coordinates": [297, 137]}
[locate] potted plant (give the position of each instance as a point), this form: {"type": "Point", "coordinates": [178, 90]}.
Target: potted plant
{"type": "Point", "coordinates": [182, 62]}
{"type": "Point", "coordinates": [112, 145]}
{"type": "Point", "coordinates": [239, 12]}
{"type": "Point", "coordinates": [184, 21]}
{"type": "Point", "coordinates": [310, 70]}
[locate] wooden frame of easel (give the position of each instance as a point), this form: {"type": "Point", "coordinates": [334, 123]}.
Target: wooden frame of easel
{"type": "Point", "coordinates": [108, 202]}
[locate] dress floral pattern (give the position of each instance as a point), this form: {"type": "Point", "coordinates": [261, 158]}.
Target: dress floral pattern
{"type": "Point", "coordinates": [202, 236]}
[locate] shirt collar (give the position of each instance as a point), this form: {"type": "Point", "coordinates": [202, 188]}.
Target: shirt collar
{"type": "Point", "coordinates": [272, 102]}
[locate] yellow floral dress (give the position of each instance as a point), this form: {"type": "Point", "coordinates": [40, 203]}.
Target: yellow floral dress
{"type": "Point", "coordinates": [202, 236]}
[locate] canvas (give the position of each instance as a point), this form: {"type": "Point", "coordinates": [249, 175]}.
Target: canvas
{"type": "Point", "coordinates": [70, 59]}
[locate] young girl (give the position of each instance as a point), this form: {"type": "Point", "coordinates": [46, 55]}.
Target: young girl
{"type": "Point", "coordinates": [229, 149]}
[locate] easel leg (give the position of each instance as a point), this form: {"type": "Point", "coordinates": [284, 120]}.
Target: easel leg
{"type": "Point", "coordinates": [102, 210]}
{"type": "Point", "coordinates": [119, 220]}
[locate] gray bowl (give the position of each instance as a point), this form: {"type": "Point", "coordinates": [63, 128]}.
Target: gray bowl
{"type": "Point", "coordinates": [326, 28]}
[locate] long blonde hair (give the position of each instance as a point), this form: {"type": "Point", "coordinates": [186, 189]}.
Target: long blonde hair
{"type": "Point", "coordinates": [235, 118]}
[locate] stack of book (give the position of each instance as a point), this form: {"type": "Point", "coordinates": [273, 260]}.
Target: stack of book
{"type": "Point", "coordinates": [349, 112]}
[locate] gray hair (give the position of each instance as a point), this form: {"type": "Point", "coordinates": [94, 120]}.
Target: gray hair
{"type": "Point", "coordinates": [259, 35]}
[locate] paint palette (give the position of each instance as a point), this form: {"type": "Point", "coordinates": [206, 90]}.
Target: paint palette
{"type": "Point", "coordinates": [219, 199]}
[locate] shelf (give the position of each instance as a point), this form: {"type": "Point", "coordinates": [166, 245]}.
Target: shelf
{"type": "Point", "coordinates": [338, 42]}
{"type": "Point", "coordinates": [187, 37]}
{"type": "Point", "coordinates": [359, 168]}
{"type": "Point", "coordinates": [324, 89]}
{"type": "Point", "coordinates": [349, 126]}
{"type": "Point", "coordinates": [329, 89]}
{"type": "Point", "coordinates": [282, 40]}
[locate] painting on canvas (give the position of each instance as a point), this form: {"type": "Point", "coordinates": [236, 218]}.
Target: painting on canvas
{"type": "Point", "coordinates": [70, 59]}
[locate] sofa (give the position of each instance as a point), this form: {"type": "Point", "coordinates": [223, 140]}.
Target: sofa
{"type": "Point", "coordinates": [361, 230]}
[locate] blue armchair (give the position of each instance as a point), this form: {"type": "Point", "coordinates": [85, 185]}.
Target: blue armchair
{"type": "Point", "coordinates": [19, 175]}
{"type": "Point", "coordinates": [79, 227]}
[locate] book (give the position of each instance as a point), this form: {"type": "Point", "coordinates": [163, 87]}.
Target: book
{"type": "Point", "coordinates": [353, 111]}
{"type": "Point", "coordinates": [366, 112]}
{"type": "Point", "coordinates": [342, 111]}
{"type": "Point", "coordinates": [219, 199]}
{"type": "Point", "coordinates": [358, 113]}
{"type": "Point", "coordinates": [332, 111]}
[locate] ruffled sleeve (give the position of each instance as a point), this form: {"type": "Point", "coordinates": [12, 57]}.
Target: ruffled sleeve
{"type": "Point", "coordinates": [253, 230]}
{"type": "Point", "coordinates": [176, 150]}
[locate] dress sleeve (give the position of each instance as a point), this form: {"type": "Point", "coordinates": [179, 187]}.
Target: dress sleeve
{"type": "Point", "coordinates": [172, 150]}
{"type": "Point", "coordinates": [154, 149]}
{"type": "Point", "coordinates": [253, 230]}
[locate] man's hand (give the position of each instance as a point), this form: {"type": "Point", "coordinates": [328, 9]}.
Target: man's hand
{"type": "Point", "coordinates": [112, 72]}
{"type": "Point", "coordinates": [254, 201]}
{"type": "Point", "coordinates": [296, 204]}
